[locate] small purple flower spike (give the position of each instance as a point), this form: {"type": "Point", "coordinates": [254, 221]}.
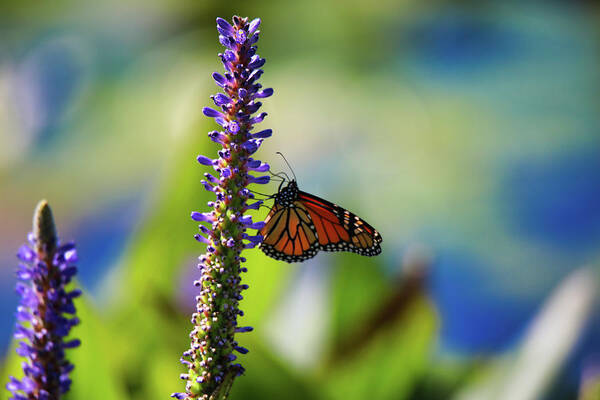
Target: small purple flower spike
{"type": "Point", "coordinates": [210, 358]}
{"type": "Point", "coordinates": [46, 313]}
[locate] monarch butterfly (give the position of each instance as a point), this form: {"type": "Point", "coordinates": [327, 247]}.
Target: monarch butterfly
{"type": "Point", "coordinates": [300, 224]}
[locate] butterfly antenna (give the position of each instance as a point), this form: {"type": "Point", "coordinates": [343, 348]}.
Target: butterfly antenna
{"type": "Point", "coordinates": [268, 196]}
{"type": "Point", "coordinates": [279, 175]}
{"type": "Point", "coordinates": [266, 206]}
{"type": "Point", "coordinates": [288, 164]}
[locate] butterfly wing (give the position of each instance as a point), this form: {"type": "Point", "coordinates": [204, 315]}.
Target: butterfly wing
{"type": "Point", "coordinates": [289, 234]}
{"type": "Point", "coordinates": [337, 229]}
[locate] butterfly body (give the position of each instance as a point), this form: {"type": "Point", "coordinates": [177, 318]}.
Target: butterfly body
{"type": "Point", "coordinates": [301, 224]}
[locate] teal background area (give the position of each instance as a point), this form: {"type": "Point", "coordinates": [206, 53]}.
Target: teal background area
{"type": "Point", "coordinates": [467, 133]}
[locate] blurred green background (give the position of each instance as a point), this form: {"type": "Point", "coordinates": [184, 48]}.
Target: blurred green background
{"type": "Point", "coordinates": [466, 132]}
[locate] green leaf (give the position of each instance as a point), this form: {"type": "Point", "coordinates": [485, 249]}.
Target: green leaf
{"type": "Point", "coordinates": [390, 365]}
{"type": "Point", "coordinates": [382, 331]}
{"type": "Point", "coordinates": [267, 377]}
{"type": "Point", "coordinates": [358, 286]}
{"type": "Point", "coordinates": [93, 377]}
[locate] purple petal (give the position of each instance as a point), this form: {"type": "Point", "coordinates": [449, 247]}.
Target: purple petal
{"type": "Point", "coordinates": [256, 62]}
{"type": "Point", "coordinates": [205, 160]}
{"type": "Point", "coordinates": [257, 225]}
{"type": "Point", "coordinates": [223, 24]}
{"type": "Point", "coordinates": [264, 93]}
{"type": "Point", "coordinates": [262, 180]}
{"type": "Point", "coordinates": [220, 99]}
{"type": "Point", "coordinates": [240, 37]}
{"type": "Point", "coordinates": [222, 121]}
{"type": "Point", "coordinates": [253, 107]}
{"type": "Point", "coordinates": [208, 186]}
{"type": "Point", "coordinates": [256, 74]}
{"type": "Point", "coordinates": [25, 253]}
{"type": "Point", "coordinates": [201, 239]}
{"type": "Point", "coordinates": [24, 274]}
{"type": "Point", "coordinates": [209, 112]}
{"type": "Point", "coordinates": [263, 134]}
{"type": "Point", "coordinates": [211, 178]}
{"type": "Point", "coordinates": [253, 26]}
{"type": "Point", "coordinates": [71, 256]}
{"type": "Point", "coordinates": [72, 344]}
{"type": "Point", "coordinates": [226, 41]}
{"type": "Point", "coordinates": [217, 137]}
{"type": "Point", "coordinates": [254, 206]}
{"type": "Point", "coordinates": [255, 239]}
{"type": "Point", "coordinates": [259, 118]}
{"type": "Point", "coordinates": [202, 217]}
{"type": "Point", "coordinates": [262, 167]}
{"type": "Point", "coordinates": [220, 79]}
{"type": "Point", "coordinates": [226, 172]}
{"type": "Point", "coordinates": [204, 230]}
{"type": "Point", "coordinates": [233, 127]}
{"type": "Point", "coordinates": [230, 56]}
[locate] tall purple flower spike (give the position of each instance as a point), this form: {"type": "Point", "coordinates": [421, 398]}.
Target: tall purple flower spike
{"type": "Point", "coordinates": [46, 312]}
{"type": "Point", "coordinates": [210, 359]}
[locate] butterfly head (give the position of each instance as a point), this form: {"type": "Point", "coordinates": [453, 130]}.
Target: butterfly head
{"type": "Point", "coordinates": [287, 195]}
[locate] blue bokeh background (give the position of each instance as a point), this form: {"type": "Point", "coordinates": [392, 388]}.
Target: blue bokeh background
{"type": "Point", "coordinates": [469, 129]}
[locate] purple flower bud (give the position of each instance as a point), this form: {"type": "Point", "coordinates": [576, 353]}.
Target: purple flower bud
{"type": "Point", "coordinates": [222, 121]}
{"type": "Point", "coordinates": [255, 75]}
{"type": "Point", "coordinates": [25, 253]}
{"type": "Point", "coordinates": [255, 239]}
{"type": "Point", "coordinates": [201, 239]}
{"type": "Point", "coordinates": [240, 37]}
{"type": "Point", "coordinates": [208, 186]}
{"type": "Point", "coordinates": [262, 167]}
{"type": "Point", "coordinates": [229, 56]}
{"type": "Point", "coordinates": [254, 206]}
{"type": "Point", "coordinates": [257, 225]}
{"type": "Point", "coordinates": [264, 93]}
{"type": "Point", "coordinates": [259, 118]}
{"type": "Point", "coordinates": [263, 134]}
{"type": "Point", "coordinates": [253, 107]}
{"type": "Point", "coordinates": [233, 127]}
{"type": "Point", "coordinates": [205, 160]}
{"type": "Point", "coordinates": [202, 217]}
{"type": "Point", "coordinates": [261, 180]}
{"type": "Point", "coordinates": [251, 146]}
{"type": "Point", "coordinates": [209, 112]}
{"type": "Point", "coordinates": [253, 26]}
{"type": "Point", "coordinates": [223, 24]}
{"type": "Point", "coordinates": [217, 137]}
{"type": "Point", "coordinates": [226, 41]}
{"type": "Point", "coordinates": [256, 62]}
{"type": "Point", "coordinates": [220, 79]}
{"type": "Point", "coordinates": [220, 99]}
